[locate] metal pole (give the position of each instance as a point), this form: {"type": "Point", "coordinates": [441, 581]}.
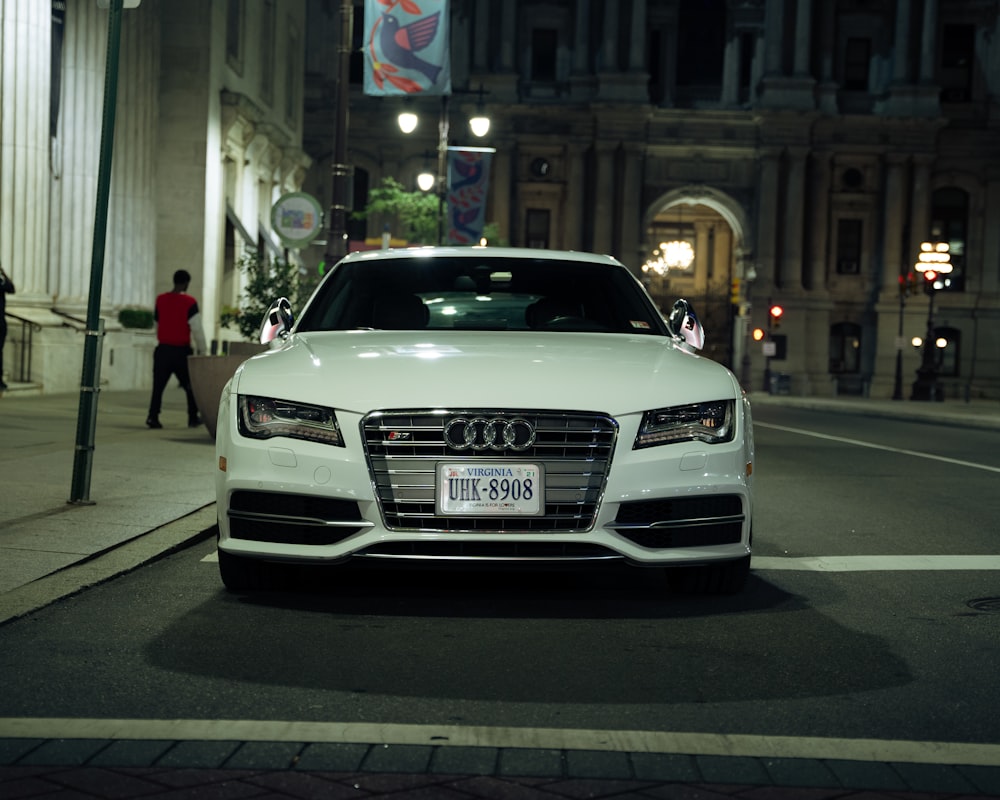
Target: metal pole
{"type": "Point", "coordinates": [336, 240]}
{"type": "Point", "coordinates": [442, 176]}
{"type": "Point", "coordinates": [90, 381]}
{"type": "Point", "coordinates": [897, 391]}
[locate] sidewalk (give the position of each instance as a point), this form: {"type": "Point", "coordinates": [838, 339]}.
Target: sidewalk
{"type": "Point", "coordinates": [151, 492]}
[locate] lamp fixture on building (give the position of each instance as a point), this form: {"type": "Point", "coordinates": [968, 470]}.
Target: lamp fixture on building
{"type": "Point", "coordinates": [934, 263]}
{"type": "Point", "coordinates": [480, 125]}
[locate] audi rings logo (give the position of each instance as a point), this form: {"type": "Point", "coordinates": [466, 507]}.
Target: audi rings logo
{"type": "Point", "coordinates": [497, 434]}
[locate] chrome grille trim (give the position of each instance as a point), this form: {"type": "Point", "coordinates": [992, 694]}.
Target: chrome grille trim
{"type": "Point", "coordinates": [575, 449]}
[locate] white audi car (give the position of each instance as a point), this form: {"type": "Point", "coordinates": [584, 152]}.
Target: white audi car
{"type": "Point", "coordinates": [484, 405]}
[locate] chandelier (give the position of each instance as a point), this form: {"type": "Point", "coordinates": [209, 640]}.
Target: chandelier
{"type": "Point", "coordinates": [676, 254]}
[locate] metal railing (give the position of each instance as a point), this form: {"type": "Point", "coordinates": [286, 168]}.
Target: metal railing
{"type": "Point", "coordinates": [24, 345]}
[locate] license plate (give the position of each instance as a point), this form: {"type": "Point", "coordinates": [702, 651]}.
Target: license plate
{"type": "Point", "coordinates": [490, 489]}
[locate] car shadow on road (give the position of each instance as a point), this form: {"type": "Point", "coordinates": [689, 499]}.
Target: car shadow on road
{"type": "Point", "coordinates": [538, 637]}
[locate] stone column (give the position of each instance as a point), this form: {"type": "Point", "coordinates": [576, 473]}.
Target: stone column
{"type": "Point", "coordinates": [702, 257]}
{"type": "Point", "coordinates": [508, 36]}
{"type": "Point", "coordinates": [894, 260]}
{"type": "Point", "coordinates": [767, 219]}
{"type": "Point", "coordinates": [920, 205]}
{"type": "Point", "coordinates": [819, 188]}
{"type": "Point", "coordinates": [581, 31]}
{"type": "Point", "coordinates": [991, 234]}
{"type": "Point", "coordinates": [76, 150]}
{"type": "Point", "coordinates": [603, 207]}
{"type": "Point", "coordinates": [900, 71]}
{"type": "Point", "coordinates": [575, 192]}
{"type": "Point", "coordinates": [501, 188]}
{"type": "Point", "coordinates": [25, 42]}
{"type": "Point", "coordinates": [793, 265]}
{"type": "Point", "coordinates": [637, 35]}
{"type": "Point", "coordinates": [609, 42]}
{"type": "Point", "coordinates": [773, 14]}
{"type": "Point", "coordinates": [731, 71]}
{"type": "Point", "coordinates": [481, 39]}
{"type": "Point", "coordinates": [803, 32]}
{"type": "Point", "coordinates": [631, 214]}
{"type": "Point", "coordinates": [928, 41]}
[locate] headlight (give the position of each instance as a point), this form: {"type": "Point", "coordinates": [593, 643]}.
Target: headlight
{"type": "Point", "coordinates": [264, 417]}
{"type": "Point", "coordinates": [702, 422]}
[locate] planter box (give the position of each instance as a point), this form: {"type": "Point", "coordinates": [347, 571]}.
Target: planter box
{"type": "Point", "coordinates": [208, 375]}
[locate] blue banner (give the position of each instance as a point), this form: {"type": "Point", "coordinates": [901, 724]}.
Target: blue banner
{"type": "Point", "coordinates": [406, 47]}
{"type": "Point", "coordinates": [468, 183]}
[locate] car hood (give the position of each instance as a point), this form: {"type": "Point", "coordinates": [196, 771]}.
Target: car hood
{"type": "Point", "coordinates": [361, 371]}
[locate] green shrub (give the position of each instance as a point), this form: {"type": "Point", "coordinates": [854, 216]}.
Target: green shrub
{"type": "Point", "coordinates": [266, 282]}
{"type": "Point", "coordinates": [141, 318]}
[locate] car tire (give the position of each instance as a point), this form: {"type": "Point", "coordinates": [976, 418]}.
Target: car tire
{"type": "Point", "coordinates": [728, 577]}
{"type": "Point", "coordinates": [241, 574]}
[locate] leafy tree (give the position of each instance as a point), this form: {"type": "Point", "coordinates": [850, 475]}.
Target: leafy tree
{"type": "Point", "coordinates": [415, 213]}
{"type": "Point", "coordinates": [267, 280]}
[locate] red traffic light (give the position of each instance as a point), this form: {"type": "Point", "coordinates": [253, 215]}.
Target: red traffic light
{"type": "Point", "coordinates": [930, 275]}
{"type": "Point", "coordinates": [776, 312]}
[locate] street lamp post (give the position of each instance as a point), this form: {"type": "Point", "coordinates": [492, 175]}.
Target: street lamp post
{"type": "Point", "coordinates": [480, 126]}
{"type": "Point", "coordinates": [935, 265]}
{"type": "Point", "coordinates": [905, 287]}
{"type": "Point", "coordinates": [336, 240]}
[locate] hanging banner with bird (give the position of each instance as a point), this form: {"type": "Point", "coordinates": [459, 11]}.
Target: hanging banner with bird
{"type": "Point", "coordinates": [468, 182]}
{"type": "Point", "coordinates": [406, 47]}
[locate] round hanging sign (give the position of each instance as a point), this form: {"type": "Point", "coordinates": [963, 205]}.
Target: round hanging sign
{"type": "Point", "coordinates": [296, 218]}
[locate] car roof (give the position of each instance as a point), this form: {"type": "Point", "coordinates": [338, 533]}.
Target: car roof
{"type": "Point", "coordinates": [480, 252]}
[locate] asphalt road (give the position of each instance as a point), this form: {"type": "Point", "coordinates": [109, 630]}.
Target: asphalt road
{"type": "Point", "coordinates": [852, 625]}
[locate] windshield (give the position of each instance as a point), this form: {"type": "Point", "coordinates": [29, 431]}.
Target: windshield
{"type": "Point", "coordinates": [483, 293]}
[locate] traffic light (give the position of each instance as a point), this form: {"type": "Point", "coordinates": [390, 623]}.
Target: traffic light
{"type": "Point", "coordinates": [774, 314]}
{"type": "Point", "coordinates": [734, 292]}
{"type": "Point", "coordinates": [758, 334]}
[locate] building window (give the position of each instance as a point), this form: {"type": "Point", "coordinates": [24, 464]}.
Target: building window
{"type": "Point", "coordinates": [536, 225]}
{"type": "Point", "coordinates": [857, 60]}
{"type": "Point", "coordinates": [267, 52]}
{"type": "Point", "coordinates": [958, 47]}
{"type": "Point", "coordinates": [845, 348]}
{"type": "Point", "coordinates": [234, 35]}
{"type": "Point", "coordinates": [950, 221]}
{"type": "Point", "coordinates": [848, 246]}
{"type": "Point", "coordinates": [947, 356]}
{"type": "Point", "coordinates": [544, 44]}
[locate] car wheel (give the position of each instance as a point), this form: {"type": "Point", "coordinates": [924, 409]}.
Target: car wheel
{"type": "Point", "coordinates": [241, 574]}
{"type": "Point", "coordinates": [728, 577]}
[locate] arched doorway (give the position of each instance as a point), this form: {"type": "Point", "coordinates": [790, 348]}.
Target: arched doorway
{"type": "Point", "coordinates": [696, 249]}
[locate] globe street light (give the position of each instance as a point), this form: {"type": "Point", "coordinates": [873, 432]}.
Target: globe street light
{"type": "Point", "coordinates": [934, 263]}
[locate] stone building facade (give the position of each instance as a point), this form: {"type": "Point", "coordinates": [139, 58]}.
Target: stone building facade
{"type": "Point", "coordinates": [208, 134]}
{"type": "Point", "coordinates": [803, 148]}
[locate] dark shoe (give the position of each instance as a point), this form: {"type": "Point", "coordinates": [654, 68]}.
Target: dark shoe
{"type": "Point", "coordinates": [194, 421]}
{"type": "Point", "coordinates": [153, 422]}
{"type": "Point", "coordinates": [3, 386]}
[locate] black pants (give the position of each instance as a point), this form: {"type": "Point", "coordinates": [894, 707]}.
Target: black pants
{"type": "Point", "coordinates": [3, 340]}
{"type": "Point", "coordinates": [170, 360]}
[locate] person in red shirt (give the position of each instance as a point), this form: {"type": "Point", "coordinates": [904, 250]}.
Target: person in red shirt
{"type": "Point", "coordinates": [177, 324]}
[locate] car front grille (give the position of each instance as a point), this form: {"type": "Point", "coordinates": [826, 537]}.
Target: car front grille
{"type": "Point", "coordinates": [681, 522]}
{"type": "Point", "coordinates": [404, 447]}
{"type": "Point", "coordinates": [292, 518]}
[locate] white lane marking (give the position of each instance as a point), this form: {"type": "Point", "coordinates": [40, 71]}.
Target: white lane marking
{"type": "Point", "coordinates": [917, 752]}
{"type": "Point", "coordinates": [900, 563]}
{"type": "Point", "coordinates": [859, 443]}
{"type": "Point", "coordinates": [211, 558]}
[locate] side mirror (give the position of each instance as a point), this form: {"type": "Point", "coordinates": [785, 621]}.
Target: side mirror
{"type": "Point", "coordinates": [277, 321]}
{"type": "Point", "coordinates": [683, 324]}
